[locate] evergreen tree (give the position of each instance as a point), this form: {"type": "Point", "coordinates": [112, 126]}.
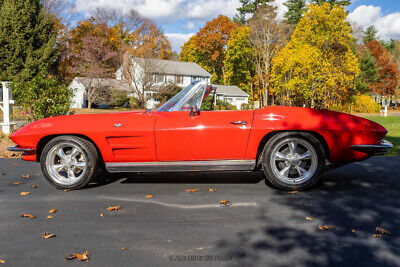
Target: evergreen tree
{"type": "Point", "coordinates": [295, 10]}
{"type": "Point", "coordinates": [370, 34]}
{"type": "Point", "coordinates": [369, 72]}
{"type": "Point", "coordinates": [389, 46]}
{"type": "Point", "coordinates": [250, 7]}
{"type": "Point", "coordinates": [332, 2]}
{"type": "Point", "coordinates": [27, 39]}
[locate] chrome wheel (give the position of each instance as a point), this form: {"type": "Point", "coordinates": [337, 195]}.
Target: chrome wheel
{"type": "Point", "coordinates": [294, 161]}
{"type": "Point", "coordinates": [66, 163]}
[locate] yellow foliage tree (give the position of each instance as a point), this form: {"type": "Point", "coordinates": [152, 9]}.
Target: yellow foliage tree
{"type": "Point", "coordinates": [317, 68]}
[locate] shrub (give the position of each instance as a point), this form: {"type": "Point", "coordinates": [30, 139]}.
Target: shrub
{"type": "Point", "coordinates": [42, 97]}
{"type": "Point", "coordinates": [118, 98]}
{"type": "Point", "coordinates": [166, 92]}
{"type": "Point", "coordinates": [224, 105]}
{"type": "Point", "coordinates": [361, 104]}
{"type": "Point", "coordinates": [365, 104]}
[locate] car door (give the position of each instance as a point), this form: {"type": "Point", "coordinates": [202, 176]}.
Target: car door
{"type": "Point", "coordinates": [210, 135]}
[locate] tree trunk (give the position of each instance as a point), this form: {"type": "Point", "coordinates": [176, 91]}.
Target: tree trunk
{"type": "Point", "coordinates": [89, 99]}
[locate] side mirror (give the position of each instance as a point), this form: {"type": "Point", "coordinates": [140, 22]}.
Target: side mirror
{"type": "Point", "coordinates": [194, 111]}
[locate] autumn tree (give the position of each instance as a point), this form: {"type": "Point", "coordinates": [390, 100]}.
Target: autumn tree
{"type": "Point", "coordinates": [239, 66]}
{"type": "Point", "coordinates": [149, 41]}
{"type": "Point", "coordinates": [332, 2]}
{"type": "Point", "coordinates": [140, 36]}
{"type": "Point", "coordinates": [267, 37]}
{"type": "Point", "coordinates": [208, 47]}
{"type": "Point", "coordinates": [388, 73]}
{"type": "Point", "coordinates": [396, 60]}
{"type": "Point", "coordinates": [295, 10]}
{"type": "Point", "coordinates": [120, 33]}
{"type": "Point", "coordinates": [189, 52]}
{"type": "Point", "coordinates": [370, 34]}
{"type": "Point", "coordinates": [317, 67]}
{"type": "Point", "coordinates": [94, 60]}
{"type": "Point", "coordinates": [60, 10]}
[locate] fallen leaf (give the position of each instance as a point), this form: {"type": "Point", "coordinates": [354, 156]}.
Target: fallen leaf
{"type": "Point", "coordinates": [53, 211]}
{"type": "Point", "coordinates": [2, 262]}
{"type": "Point", "coordinates": [325, 227]}
{"type": "Point", "coordinates": [26, 176]}
{"type": "Point", "coordinates": [24, 193]}
{"type": "Point", "coordinates": [192, 190]}
{"type": "Point", "coordinates": [81, 257]}
{"type": "Point", "coordinates": [28, 216]}
{"type": "Point", "coordinates": [49, 217]}
{"type": "Point", "coordinates": [67, 190]}
{"type": "Point", "coordinates": [148, 196]}
{"type": "Point", "coordinates": [377, 235]}
{"type": "Point", "coordinates": [225, 202]}
{"type": "Point", "coordinates": [212, 190]}
{"type": "Point", "coordinates": [47, 235]}
{"type": "Point", "coordinates": [124, 249]}
{"type": "Point", "coordinates": [34, 186]}
{"type": "Point", "coordinates": [309, 219]}
{"type": "Point", "coordinates": [101, 215]}
{"type": "Point", "coordinates": [17, 183]}
{"type": "Point", "coordinates": [382, 231]}
{"type": "Point", "coordinates": [114, 208]}
{"type": "Point", "coordinates": [293, 192]}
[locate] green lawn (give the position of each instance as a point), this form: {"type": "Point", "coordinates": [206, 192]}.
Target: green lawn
{"type": "Point", "coordinates": [392, 124]}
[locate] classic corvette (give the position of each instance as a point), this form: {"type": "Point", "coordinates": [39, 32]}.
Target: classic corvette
{"type": "Point", "coordinates": [291, 145]}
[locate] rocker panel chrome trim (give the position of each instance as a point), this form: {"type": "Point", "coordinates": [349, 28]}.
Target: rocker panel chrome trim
{"type": "Point", "coordinates": [178, 166]}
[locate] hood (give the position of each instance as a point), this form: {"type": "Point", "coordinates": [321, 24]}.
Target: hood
{"type": "Point", "coordinates": [67, 123]}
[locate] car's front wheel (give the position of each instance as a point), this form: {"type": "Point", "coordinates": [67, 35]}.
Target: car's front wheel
{"type": "Point", "coordinates": [69, 162]}
{"type": "Point", "coordinates": [293, 160]}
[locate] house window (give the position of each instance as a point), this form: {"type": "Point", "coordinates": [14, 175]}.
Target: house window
{"type": "Point", "coordinates": [160, 78]}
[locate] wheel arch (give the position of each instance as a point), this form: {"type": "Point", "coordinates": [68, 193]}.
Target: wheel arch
{"type": "Point", "coordinates": [44, 140]}
{"type": "Point", "coordinates": [269, 135]}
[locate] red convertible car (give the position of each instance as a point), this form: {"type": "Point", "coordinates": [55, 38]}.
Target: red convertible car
{"type": "Point", "coordinates": [291, 145]}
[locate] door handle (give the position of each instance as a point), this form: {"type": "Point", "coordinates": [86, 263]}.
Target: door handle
{"type": "Point", "coordinates": [239, 122]}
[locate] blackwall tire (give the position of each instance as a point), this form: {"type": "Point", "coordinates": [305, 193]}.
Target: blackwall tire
{"type": "Point", "coordinates": [69, 162]}
{"type": "Point", "coordinates": [293, 161]}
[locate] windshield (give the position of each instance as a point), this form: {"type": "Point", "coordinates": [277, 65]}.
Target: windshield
{"type": "Point", "coordinates": [172, 102]}
{"type": "Point", "coordinates": [194, 100]}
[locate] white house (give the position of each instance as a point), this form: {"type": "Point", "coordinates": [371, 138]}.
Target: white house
{"type": "Point", "coordinates": [158, 72]}
{"type": "Point", "coordinates": [79, 87]}
{"type": "Point", "coordinates": [231, 94]}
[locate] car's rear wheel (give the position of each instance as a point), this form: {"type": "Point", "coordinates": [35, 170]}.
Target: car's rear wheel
{"type": "Point", "coordinates": [69, 162]}
{"type": "Point", "coordinates": [293, 161]}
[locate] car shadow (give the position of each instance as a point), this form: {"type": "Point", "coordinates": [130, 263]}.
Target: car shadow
{"type": "Point", "coordinates": [196, 177]}
{"type": "Point", "coordinates": [225, 177]}
{"type": "Point", "coordinates": [355, 199]}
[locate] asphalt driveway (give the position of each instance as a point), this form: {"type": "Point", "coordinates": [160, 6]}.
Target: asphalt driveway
{"type": "Point", "coordinates": [262, 227]}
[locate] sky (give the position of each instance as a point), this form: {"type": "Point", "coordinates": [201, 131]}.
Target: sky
{"type": "Point", "coordinates": [181, 19]}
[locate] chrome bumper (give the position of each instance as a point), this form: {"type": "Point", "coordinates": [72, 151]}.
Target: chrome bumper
{"type": "Point", "coordinates": [20, 149]}
{"type": "Point", "coordinates": [380, 149]}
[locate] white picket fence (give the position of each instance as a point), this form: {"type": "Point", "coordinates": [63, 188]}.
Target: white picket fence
{"type": "Point", "coordinates": [6, 104]}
